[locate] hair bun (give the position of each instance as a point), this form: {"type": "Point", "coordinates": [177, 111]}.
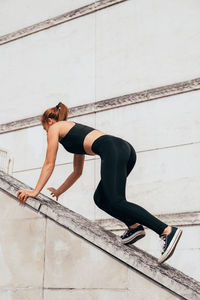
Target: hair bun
{"type": "Point", "coordinates": [58, 113]}
{"type": "Point", "coordinates": [58, 105]}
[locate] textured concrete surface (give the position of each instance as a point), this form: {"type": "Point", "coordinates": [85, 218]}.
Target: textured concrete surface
{"type": "Point", "coordinates": [21, 250]}
{"type": "Point", "coordinates": [86, 294]}
{"type": "Point", "coordinates": [164, 275]}
{"type": "Point", "coordinates": [68, 258]}
{"type": "Point", "coordinates": [21, 294]}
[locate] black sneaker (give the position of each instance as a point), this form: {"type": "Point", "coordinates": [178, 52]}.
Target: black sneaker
{"type": "Point", "coordinates": [132, 235]}
{"type": "Point", "coordinates": [170, 242]}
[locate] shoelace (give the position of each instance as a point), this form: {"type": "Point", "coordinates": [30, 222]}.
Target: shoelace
{"type": "Point", "coordinates": [163, 242]}
{"type": "Point", "coordinates": [125, 232]}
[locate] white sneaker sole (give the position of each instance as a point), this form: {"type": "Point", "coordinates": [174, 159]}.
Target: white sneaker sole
{"type": "Point", "coordinates": [170, 250]}
{"type": "Point", "coordinates": [134, 238]}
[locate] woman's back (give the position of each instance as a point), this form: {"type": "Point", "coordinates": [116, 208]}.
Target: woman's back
{"type": "Point", "coordinates": [74, 137]}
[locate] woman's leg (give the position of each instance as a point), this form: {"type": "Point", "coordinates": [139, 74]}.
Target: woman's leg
{"type": "Point", "coordinates": [101, 201]}
{"type": "Point", "coordinates": [117, 161]}
{"type": "Point", "coordinates": [116, 164]}
{"type": "Point", "coordinates": [100, 198]}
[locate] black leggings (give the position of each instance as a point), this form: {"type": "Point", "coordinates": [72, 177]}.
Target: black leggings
{"type": "Point", "coordinates": [118, 158]}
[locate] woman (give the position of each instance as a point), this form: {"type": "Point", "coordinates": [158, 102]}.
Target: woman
{"type": "Point", "coordinates": [118, 158]}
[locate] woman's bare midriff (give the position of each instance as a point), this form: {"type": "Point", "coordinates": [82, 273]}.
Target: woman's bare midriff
{"type": "Point", "coordinates": [89, 139]}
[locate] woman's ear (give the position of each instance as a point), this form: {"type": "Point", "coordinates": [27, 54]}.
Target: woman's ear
{"type": "Point", "coordinates": [50, 121]}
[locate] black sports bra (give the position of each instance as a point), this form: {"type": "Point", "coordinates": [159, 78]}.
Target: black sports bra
{"type": "Point", "coordinates": [73, 140]}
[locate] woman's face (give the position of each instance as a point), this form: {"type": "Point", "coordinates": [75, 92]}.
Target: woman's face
{"type": "Point", "coordinates": [46, 126]}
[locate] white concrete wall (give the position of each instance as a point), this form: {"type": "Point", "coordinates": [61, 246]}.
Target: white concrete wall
{"type": "Point", "coordinates": [17, 15]}
{"type": "Point", "coordinates": [144, 44]}
{"type": "Point", "coordinates": [42, 260]}
{"type": "Point", "coordinates": [44, 68]}
{"type": "Point", "coordinates": [125, 48]}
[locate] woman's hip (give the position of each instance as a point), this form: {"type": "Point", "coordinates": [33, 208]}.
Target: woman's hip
{"type": "Point", "coordinates": [111, 145]}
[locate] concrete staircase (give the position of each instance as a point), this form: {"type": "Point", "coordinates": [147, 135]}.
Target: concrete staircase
{"type": "Point", "coordinates": [177, 284]}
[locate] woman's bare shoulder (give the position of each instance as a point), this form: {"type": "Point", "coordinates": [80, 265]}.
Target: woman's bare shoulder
{"type": "Point", "coordinates": [64, 127]}
{"type": "Point", "coordinates": [64, 124]}
{"type": "Point", "coordinates": [61, 123]}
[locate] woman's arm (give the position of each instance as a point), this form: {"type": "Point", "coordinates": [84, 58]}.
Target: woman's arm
{"type": "Point", "coordinates": [78, 164]}
{"type": "Point", "coordinates": [48, 167]}
{"type": "Point", "coordinates": [49, 164]}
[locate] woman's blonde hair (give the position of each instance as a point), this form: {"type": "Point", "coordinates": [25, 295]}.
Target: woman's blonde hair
{"type": "Point", "coordinates": [58, 113]}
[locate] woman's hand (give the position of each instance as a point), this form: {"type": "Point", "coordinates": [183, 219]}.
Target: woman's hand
{"type": "Point", "coordinates": [54, 192]}
{"type": "Point", "coordinates": [22, 195]}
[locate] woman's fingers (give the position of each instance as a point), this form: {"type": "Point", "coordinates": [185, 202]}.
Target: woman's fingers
{"type": "Point", "coordinates": [19, 193]}
{"type": "Point", "coordinates": [21, 196]}
{"type": "Point", "coordinates": [53, 192]}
